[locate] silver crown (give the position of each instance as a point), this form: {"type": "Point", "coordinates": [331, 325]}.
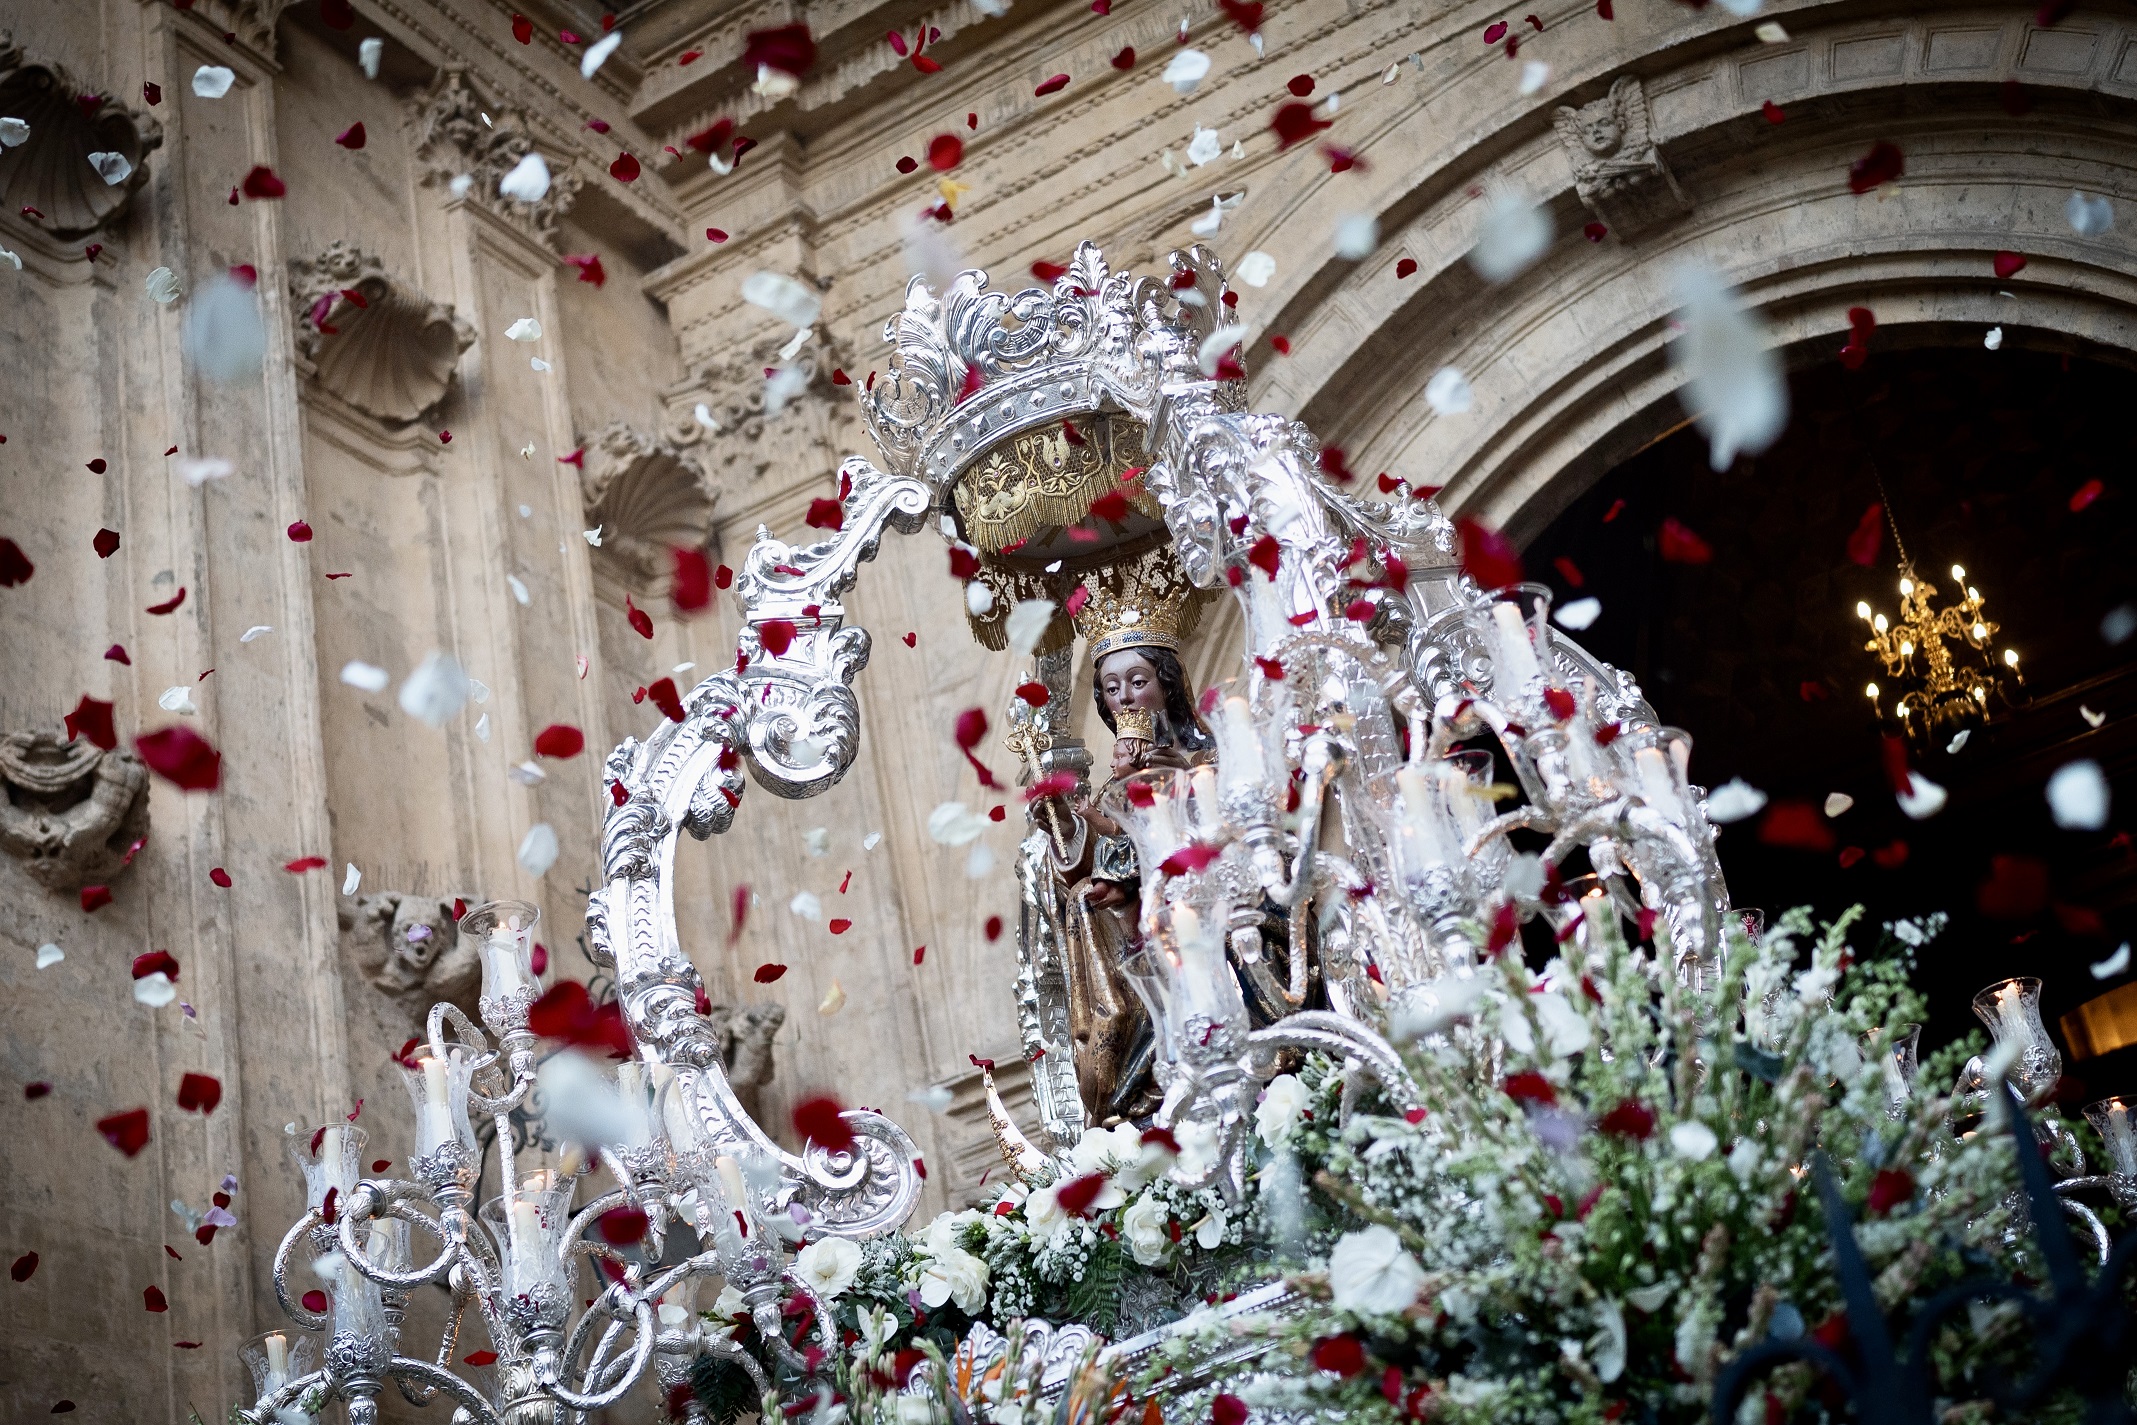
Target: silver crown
{"type": "Point", "coordinates": [1099, 341]}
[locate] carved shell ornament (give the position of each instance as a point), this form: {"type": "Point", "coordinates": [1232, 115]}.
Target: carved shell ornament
{"type": "Point", "coordinates": [647, 496]}
{"type": "Point", "coordinates": [78, 142]}
{"type": "Point", "coordinates": [372, 340]}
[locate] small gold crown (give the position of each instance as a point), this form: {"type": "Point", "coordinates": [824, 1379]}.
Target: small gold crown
{"type": "Point", "coordinates": [1146, 602]}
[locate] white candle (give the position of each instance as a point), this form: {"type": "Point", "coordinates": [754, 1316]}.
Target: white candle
{"type": "Point", "coordinates": [277, 1361]}
{"type": "Point", "coordinates": [637, 1120]}
{"type": "Point", "coordinates": [526, 1227]}
{"type": "Point", "coordinates": [2010, 1008]}
{"type": "Point", "coordinates": [1516, 655]}
{"type": "Point", "coordinates": [737, 1196]}
{"type": "Point", "coordinates": [436, 1128]}
{"type": "Point", "coordinates": [1164, 834]}
{"type": "Point", "coordinates": [1239, 746]}
{"type": "Point", "coordinates": [1656, 788]}
{"type": "Point", "coordinates": [1203, 787]}
{"type": "Point", "coordinates": [503, 974]}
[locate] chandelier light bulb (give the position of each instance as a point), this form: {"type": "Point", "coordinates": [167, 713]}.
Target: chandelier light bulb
{"type": "Point", "coordinates": [2010, 657]}
{"type": "Point", "coordinates": [1980, 631]}
{"type": "Point", "coordinates": [1906, 588]}
{"type": "Point", "coordinates": [1870, 692]}
{"type": "Point", "coordinates": [1959, 574]}
{"type": "Point", "coordinates": [1906, 647]}
{"type": "Point", "coordinates": [1973, 594]}
{"type": "Point", "coordinates": [1878, 623]}
{"type": "Point", "coordinates": [1862, 610]}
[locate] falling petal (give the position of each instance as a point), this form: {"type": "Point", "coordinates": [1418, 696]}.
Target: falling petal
{"type": "Point", "coordinates": [1733, 386]}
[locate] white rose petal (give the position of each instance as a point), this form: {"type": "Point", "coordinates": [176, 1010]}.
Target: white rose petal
{"type": "Point", "coordinates": [817, 840]}
{"type": "Point", "coordinates": [979, 598]}
{"type": "Point", "coordinates": [1693, 1139]}
{"type": "Point", "coordinates": [979, 863]}
{"type": "Point", "coordinates": [935, 1098]}
{"type": "Point", "coordinates": [368, 54]}
{"type": "Point", "coordinates": [538, 849]}
{"type": "Point", "coordinates": [1513, 234]}
{"type": "Point", "coordinates": [435, 691]}
{"type": "Point", "coordinates": [2089, 213]}
{"type": "Point", "coordinates": [1357, 234]}
{"type": "Point", "coordinates": [14, 133]}
{"type": "Point", "coordinates": [525, 329]}
{"type": "Point", "coordinates": [155, 990]}
{"type": "Point", "coordinates": [807, 905]}
{"type": "Point", "coordinates": [519, 589]}
{"type": "Point", "coordinates": [460, 184]}
{"type": "Point", "coordinates": [1448, 393]}
{"type": "Point", "coordinates": [1837, 803]}
{"type": "Point", "coordinates": [871, 841]}
{"type": "Point", "coordinates": [1923, 798]}
{"type": "Point", "coordinates": [113, 168]}
{"type": "Point", "coordinates": [1027, 624]}
{"type": "Point", "coordinates": [1204, 147]}
{"type": "Point", "coordinates": [1734, 800]}
{"type": "Point", "coordinates": [1564, 1026]}
{"type": "Point", "coordinates": [49, 955]}
{"type": "Point", "coordinates": [1215, 345]}
{"type": "Point", "coordinates": [598, 52]}
{"type": "Point", "coordinates": [1431, 1007]}
{"type": "Point", "coordinates": [1369, 1272]}
{"type": "Point", "coordinates": [2106, 969]}
{"type": "Point", "coordinates": [1733, 387]}
{"type": "Point", "coordinates": [928, 251]}
{"type": "Point", "coordinates": [782, 386]}
{"type": "Point", "coordinates": [1994, 340]}
{"type": "Point", "coordinates": [1579, 614]}
{"type": "Point", "coordinates": [482, 728]}
{"type": "Point", "coordinates": [1534, 75]}
{"type": "Point", "coordinates": [11, 258]}
{"type": "Point", "coordinates": [162, 286]}
{"type": "Point", "coordinates": [1743, 9]}
{"type": "Point", "coordinates": [224, 336]}
{"type": "Point", "coordinates": [528, 182]}
{"type": "Point", "coordinates": [351, 879]}
{"type": "Point", "coordinates": [526, 774]}
{"type": "Point", "coordinates": [580, 1101]}
{"type": "Point", "coordinates": [197, 473]}
{"type": "Point", "coordinates": [955, 824]}
{"type": "Point", "coordinates": [367, 676]}
{"type": "Point", "coordinates": [1256, 268]}
{"type": "Point", "coordinates": [213, 81]}
{"type": "Point", "coordinates": [1772, 32]}
{"type": "Point", "coordinates": [2078, 796]}
{"type": "Point", "coordinates": [1958, 740]}
{"type": "Point", "coordinates": [786, 299]}
{"type": "Point", "coordinates": [1186, 70]}
{"type": "Point", "coordinates": [178, 700]}
{"type": "Point", "coordinates": [258, 630]}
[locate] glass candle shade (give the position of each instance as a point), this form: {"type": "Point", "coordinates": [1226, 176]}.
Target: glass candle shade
{"type": "Point", "coordinates": [1204, 992]}
{"type": "Point", "coordinates": [2012, 1011]}
{"type": "Point", "coordinates": [1661, 772]}
{"type": "Point", "coordinates": [501, 933]}
{"type": "Point", "coordinates": [634, 1104]}
{"type": "Point", "coordinates": [1901, 1062]}
{"type": "Point", "coordinates": [276, 1358]}
{"type": "Point", "coordinates": [1156, 809]}
{"type": "Point", "coordinates": [1424, 841]}
{"type": "Point", "coordinates": [2115, 1119]}
{"type": "Point", "coordinates": [359, 1310]}
{"type": "Point", "coordinates": [329, 1156]}
{"type": "Point", "coordinates": [438, 1088]}
{"type": "Point", "coordinates": [1150, 974]}
{"type": "Point", "coordinates": [1519, 637]}
{"type": "Point", "coordinates": [529, 1227]}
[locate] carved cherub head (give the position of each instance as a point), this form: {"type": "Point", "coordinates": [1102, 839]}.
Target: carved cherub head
{"type": "Point", "coordinates": [1600, 131]}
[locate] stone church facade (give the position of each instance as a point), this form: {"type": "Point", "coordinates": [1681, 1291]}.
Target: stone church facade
{"type": "Point", "coordinates": [1651, 136]}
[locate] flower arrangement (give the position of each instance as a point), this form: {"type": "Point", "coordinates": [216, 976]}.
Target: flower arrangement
{"type": "Point", "coordinates": [1604, 1201]}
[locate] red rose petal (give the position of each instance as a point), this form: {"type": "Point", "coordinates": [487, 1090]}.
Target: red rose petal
{"type": "Point", "coordinates": [992, 929]}
{"type": "Point", "coordinates": [479, 1358]}
{"type": "Point", "coordinates": [262, 183]}
{"type": "Point", "coordinates": [1883, 163]}
{"type": "Point", "coordinates": [826, 514]}
{"type": "Point", "coordinates": [840, 926]}
{"type": "Point", "coordinates": [106, 543]}
{"type": "Point", "coordinates": [2009, 264]}
{"type": "Point", "coordinates": [152, 1299]}
{"type": "Point", "coordinates": [1488, 556]}
{"type": "Point", "coordinates": [1798, 826]}
{"type": "Point", "coordinates": [777, 635]}
{"type": "Point", "coordinates": [15, 566]}
{"type": "Point", "coordinates": [768, 974]}
{"type": "Point", "coordinates": [221, 877]}
{"type": "Point", "coordinates": [1053, 85]}
{"type": "Point", "coordinates": [589, 265]}
{"type": "Point", "coordinates": [1869, 534]}
{"type": "Point", "coordinates": [155, 962]}
{"type": "Point", "coordinates": [560, 740]}
{"type": "Point", "coordinates": [314, 1301]}
{"type": "Point", "coordinates": [662, 692]}
{"type": "Point", "coordinates": [1295, 122]}
{"type": "Point", "coordinates": [92, 719]}
{"type": "Point", "coordinates": [1125, 59]}
{"type": "Point", "coordinates": [945, 152]}
{"type": "Point", "coordinates": [819, 1121]}
{"type": "Point", "coordinates": [2085, 494]}
{"type": "Point", "coordinates": [200, 1091]}
{"type": "Point", "coordinates": [24, 1268]}
{"type": "Point", "coordinates": [304, 863]}
{"type": "Point", "coordinates": [170, 605]}
{"type": "Point", "coordinates": [788, 48]}
{"type": "Point", "coordinates": [183, 756]}
{"type": "Point", "coordinates": [300, 532]}
{"type": "Point", "coordinates": [1679, 545]}
{"type": "Point", "coordinates": [1772, 111]}
{"type": "Point", "coordinates": [1077, 1194]}
{"type": "Point", "coordinates": [625, 169]}
{"type": "Point", "coordinates": [95, 898]}
{"type": "Point", "coordinates": [351, 137]}
{"type": "Point", "coordinates": [641, 621]}
{"type": "Point", "coordinates": [127, 1131]}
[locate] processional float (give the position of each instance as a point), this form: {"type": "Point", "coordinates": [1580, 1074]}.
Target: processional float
{"type": "Point", "coordinates": [1316, 845]}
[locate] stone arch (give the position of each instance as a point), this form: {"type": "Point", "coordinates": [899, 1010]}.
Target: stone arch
{"type": "Point", "coordinates": [1569, 360]}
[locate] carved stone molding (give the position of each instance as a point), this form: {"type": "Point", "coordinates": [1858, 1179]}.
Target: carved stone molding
{"type": "Point", "coordinates": [1617, 168]}
{"type": "Point", "coordinates": [745, 1036]}
{"type": "Point", "coordinates": [648, 496]}
{"type": "Point", "coordinates": [252, 21]}
{"type": "Point", "coordinates": [748, 438]}
{"type": "Point", "coordinates": [452, 141]}
{"type": "Point", "coordinates": [408, 948]}
{"type": "Point", "coordinates": [373, 341]}
{"type": "Point", "coordinates": [72, 812]}
{"type": "Point", "coordinates": [50, 171]}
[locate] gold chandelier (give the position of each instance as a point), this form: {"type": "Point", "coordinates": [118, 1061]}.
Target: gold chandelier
{"type": "Point", "coordinates": [1941, 661]}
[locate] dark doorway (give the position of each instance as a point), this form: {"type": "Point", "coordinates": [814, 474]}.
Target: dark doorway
{"type": "Point", "coordinates": [1988, 460]}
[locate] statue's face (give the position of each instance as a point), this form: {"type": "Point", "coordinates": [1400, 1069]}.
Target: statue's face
{"type": "Point", "coordinates": [1599, 131]}
{"type": "Point", "coordinates": [1128, 681]}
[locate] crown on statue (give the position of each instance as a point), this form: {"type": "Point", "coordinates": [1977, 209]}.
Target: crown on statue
{"type": "Point", "coordinates": [1146, 602]}
{"type": "Point", "coordinates": [973, 368]}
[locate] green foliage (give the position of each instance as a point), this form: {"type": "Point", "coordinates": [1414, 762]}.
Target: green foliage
{"type": "Point", "coordinates": [1095, 1297]}
{"type": "Point", "coordinates": [723, 1388]}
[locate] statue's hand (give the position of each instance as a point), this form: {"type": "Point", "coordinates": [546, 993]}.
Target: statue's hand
{"type": "Point", "coordinates": [1104, 895]}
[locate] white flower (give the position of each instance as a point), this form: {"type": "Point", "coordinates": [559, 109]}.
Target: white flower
{"type": "Point", "coordinates": [829, 1265]}
{"type": "Point", "coordinates": [955, 1276]}
{"type": "Point", "coordinates": [1370, 1273]}
{"type": "Point", "coordinates": [1143, 1225]}
{"type": "Point", "coordinates": [877, 1325]}
{"type": "Point", "coordinates": [725, 1310]}
{"type": "Point", "coordinates": [1278, 1112]}
{"type": "Point", "coordinates": [1209, 1232]}
{"type": "Point", "coordinates": [1198, 1149]}
{"type": "Point", "coordinates": [1043, 1214]}
{"type": "Point", "coordinates": [1693, 1139]}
